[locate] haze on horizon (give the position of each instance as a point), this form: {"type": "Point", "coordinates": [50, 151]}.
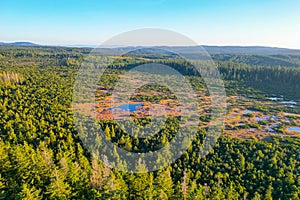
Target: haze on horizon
{"type": "Point", "coordinates": [223, 23]}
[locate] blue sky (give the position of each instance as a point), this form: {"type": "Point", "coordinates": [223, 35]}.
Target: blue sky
{"type": "Point", "coordinates": [210, 22]}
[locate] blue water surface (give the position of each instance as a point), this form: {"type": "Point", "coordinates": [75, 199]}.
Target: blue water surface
{"type": "Point", "coordinates": [126, 107]}
{"type": "Point", "coordinates": [294, 129]}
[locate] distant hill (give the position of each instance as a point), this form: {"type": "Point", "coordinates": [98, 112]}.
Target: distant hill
{"type": "Point", "coordinates": [289, 60]}
{"type": "Point", "coordinates": [251, 55]}
{"type": "Point", "coordinates": [261, 50]}
{"type": "Point", "coordinates": [251, 50]}
{"type": "Point", "coordinates": [24, 44]}
{"type": "Point", "coordinates": [258, 50]}
{"type": "Point", "coordinates": [264, 56]}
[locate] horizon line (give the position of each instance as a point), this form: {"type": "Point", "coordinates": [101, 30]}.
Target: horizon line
{"type": "Point", "coordinates": [123, 46]}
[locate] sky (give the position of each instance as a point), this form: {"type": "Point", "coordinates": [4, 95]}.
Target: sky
{"type": "Point", "coordinates": [273, 23]}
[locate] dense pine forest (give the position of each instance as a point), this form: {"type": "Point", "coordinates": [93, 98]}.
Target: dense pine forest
{"type": "Point", "coordinates": [42, 156]}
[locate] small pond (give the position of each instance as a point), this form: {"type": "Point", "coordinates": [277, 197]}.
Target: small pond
{"type": "Point", "coordinates": [126, 107]}
{"type": "Point", "coordinates": [294, 129]}
{"type": "Point", "coordinates": [247, 112]}
{"type": "Point", "coordinates": [275, 98]}
{"type": "Point", "coordinates": [267, 117]}
{"type": "Point", "coordinates": [289, 102]}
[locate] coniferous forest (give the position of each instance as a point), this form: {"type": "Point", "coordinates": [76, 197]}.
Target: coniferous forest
{"type": "Point", "coordinates": [42, 156]}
